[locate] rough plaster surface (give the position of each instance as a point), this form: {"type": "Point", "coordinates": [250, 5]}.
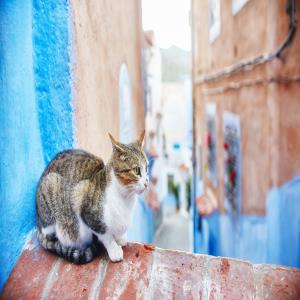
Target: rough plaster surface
{"type": "Point", "coordinates": [52, 55]}
{"type": "Point", "coordinates": [283, 224]}
{"type": "Point", "coordinates": [35, 111]}
{"type": "Point", "coordinates": [260, 239]}
{"type": "Point", "coordinates": [105, 35]}
{"type": "Point", "coordinates": [20, 144]}
{"type": "Point", "coordinates": [268, 112]}
{"type": "Point", "coordinates": [284, 99]}
{"type": "Point", "coordinates": [270, 132]}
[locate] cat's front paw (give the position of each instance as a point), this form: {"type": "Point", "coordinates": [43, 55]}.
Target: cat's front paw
{"type": "Point", "coordinates": [115, 253]}
{"type": "Point", "coordinates": [122, 240]}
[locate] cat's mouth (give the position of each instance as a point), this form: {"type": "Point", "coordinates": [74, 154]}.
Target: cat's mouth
{"type": "Point", "coordinates": [142, 189]}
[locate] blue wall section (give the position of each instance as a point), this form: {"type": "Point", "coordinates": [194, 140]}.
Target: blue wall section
{"type": "Point", "coordinates": [243, 237]}
{"type": "Point", "coordinates": [274, 238]}
{"type": "Point", "coordinates": [283, 224]}
{"type": "Point", "coordinates": [20, 145]}
{"type": "Point", "coordinates": [35, 111]}
{"type": "Point", "coordinates": [142, 225]}
{"type": "Point", "coordinates": [51, 39]}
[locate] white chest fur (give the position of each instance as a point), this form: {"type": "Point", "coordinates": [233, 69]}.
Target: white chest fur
{"type": "Point", "coordinates": [118, 207]}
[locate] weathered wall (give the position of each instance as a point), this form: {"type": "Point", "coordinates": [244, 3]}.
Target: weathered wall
{"type": "Point", "coordinates": [249, 103]}
{"type": "Point", "coordinates": [20, 146]}
{"type": "Point", "coordinates": [270, 131]}
{"type": "Point", "coordinates": [242, 36]}
{"type": "Point", "coordinates": [35, 111]}
{"type": "Point", "coordinates": [266, 119]}
{"type": "Point", "coordinates": [283, 224]}
{"type": "Point", "coordinates": [105, 36]}
{"type": "Point", "coordinates": [284, 98]}
{"type": "Point", "coordinates": [52, 55]}
{"type": "Point", "coordinates": [257, 238]}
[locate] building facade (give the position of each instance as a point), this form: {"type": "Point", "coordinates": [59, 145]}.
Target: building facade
{"type": "Point", "coordinates": [246, 87]}
{"type": "Point", "coordinates": [70, 72]}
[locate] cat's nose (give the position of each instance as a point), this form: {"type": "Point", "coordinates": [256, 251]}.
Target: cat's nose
{"type": "Point", "coordinates": [146, 184]}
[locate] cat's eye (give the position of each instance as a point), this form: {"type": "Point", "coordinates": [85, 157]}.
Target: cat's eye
{"type": "Point", "coordinates": [137, 171]}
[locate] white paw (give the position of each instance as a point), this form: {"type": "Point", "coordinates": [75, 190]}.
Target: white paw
{"type": "Point", "coordinates": [122, 240]}
{"type": "Point", "coordinates": [115, 253]}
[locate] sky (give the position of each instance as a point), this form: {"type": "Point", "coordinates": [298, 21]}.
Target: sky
{"type": "Point", "coordinates": [170, 21]}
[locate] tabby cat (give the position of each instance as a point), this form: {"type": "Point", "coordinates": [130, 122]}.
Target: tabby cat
{"type": "Point", "coordinates": [83, 204]}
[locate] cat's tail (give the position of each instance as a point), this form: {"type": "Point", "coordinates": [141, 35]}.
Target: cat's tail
{"type": "Point", "coordinates": [76, 256]}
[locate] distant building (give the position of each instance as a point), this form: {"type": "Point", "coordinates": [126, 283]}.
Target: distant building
{"type": "Point", "coordinates": [168, 114]}
{"type": "Point", "coordinates": [152, 69]}
{"type": "Point", "coordinates": [246, 89]}
{"type": "Point", "coordinates": [176, 100]}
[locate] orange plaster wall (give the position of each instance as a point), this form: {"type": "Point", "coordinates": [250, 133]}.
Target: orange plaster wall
{"type": "Point", "coordinates": [286, 96]}
{"type": "Point", "coordinates": [269, 113]}
{"type": "Point", "coordinates": [105, 35]}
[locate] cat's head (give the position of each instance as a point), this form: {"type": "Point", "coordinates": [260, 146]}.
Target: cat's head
{"type": "Point", "coordinates": [130, 164]}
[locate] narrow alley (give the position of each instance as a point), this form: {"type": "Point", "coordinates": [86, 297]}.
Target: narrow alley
{"type": "Point", "coordinates": [173, 233]}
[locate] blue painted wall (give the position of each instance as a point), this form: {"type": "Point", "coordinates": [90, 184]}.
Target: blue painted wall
{"type": "Point", "coordinates": [283, 224]}
{"type": "Point", "coordinates": [273, 239]}
{"type": "Point", "coordinates": [20, 144]}
{"type": "Point", "coordinates": [142, 226]}
{"type": "Point", "coordinates": [52, 58]}
{"type": "Point", "coordinates": [35, 111]}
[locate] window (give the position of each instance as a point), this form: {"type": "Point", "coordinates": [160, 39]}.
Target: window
{"type": "Point", "coordinates": [211, 142]}
{"type": "Point", "coordinates": [237, 5]}
{"type": "Point", "coordinates": [214, 19]}
{"type": "Point", "coordinates": [232, 162]}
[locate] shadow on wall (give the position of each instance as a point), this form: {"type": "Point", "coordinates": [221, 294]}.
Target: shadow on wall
{"type": "Point", "coordinates": [35, 111]}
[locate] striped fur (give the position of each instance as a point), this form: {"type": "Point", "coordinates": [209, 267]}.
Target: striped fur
{"type": "Point", "coordinates": [77, 256]}
{"type": "Point", "coordinates": [83, 204]}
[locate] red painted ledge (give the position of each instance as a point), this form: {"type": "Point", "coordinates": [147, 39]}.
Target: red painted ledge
{"type": "Point", "coordinates": [148, 273]}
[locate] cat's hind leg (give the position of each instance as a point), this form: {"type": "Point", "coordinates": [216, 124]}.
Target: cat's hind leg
{"type": "Point", "coordinates": [70, 253]}
{"type": "Point", "coordinates": [58, 228]}
{"type": "Point", "coordinates": [75, 255]}
{"type": "Point", "coordinates": [70, 247]}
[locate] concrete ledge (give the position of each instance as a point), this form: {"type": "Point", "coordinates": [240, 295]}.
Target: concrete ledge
{"type": "Point", "coordinates": [148, 273]}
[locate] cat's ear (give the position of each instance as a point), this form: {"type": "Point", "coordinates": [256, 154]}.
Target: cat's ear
{"type": "Point", "coordinates": [115, 144]}
{"type": "Point", "coordinates": [140, 141]}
